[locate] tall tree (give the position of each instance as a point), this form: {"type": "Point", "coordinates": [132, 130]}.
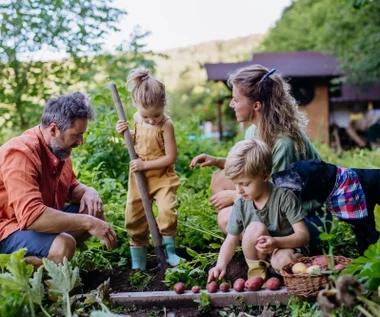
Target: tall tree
{"type": "Point", "coordinates": [348, 29]}
{"type": "Point", "coordinates": [30, 28]}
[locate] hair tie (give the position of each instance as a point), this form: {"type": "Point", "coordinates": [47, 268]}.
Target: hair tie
{"type": "Point", "coordinates": [145, 77]}
{"type": "Point", "coordinates": [269, 73]}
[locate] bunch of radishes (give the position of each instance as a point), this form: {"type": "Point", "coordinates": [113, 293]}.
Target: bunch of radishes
{"type": "Point", "coordinates": [252, 284]}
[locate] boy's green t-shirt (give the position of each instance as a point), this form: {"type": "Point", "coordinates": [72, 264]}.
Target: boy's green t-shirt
{"type": "Point", "coordinates": [281, 211]}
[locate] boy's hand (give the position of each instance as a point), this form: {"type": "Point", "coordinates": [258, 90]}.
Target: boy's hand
{"type": "Point", "coordinates": [136, 165]}
{"type": "Point", "coordinates": [266, 244]}
{"type": "Point", "coordinates": [121, 126]}
{"type": "Point", "coordinates": [216, 273]}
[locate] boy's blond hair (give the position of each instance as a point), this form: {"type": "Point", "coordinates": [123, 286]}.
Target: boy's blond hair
{"type": "Point", "coordinates": [249, 158]}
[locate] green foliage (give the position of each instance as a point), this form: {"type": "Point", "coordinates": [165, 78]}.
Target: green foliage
{"type": "Point", "coordinates": [4, 259]}
{"type": "Point", "coordinates": [347, 29]}
{"type": "Point", "coordinates": [20, 281]}
{"type": "Point", "coordinates": [302, 308]}
{"type": "Point", "coordinates": [62, 279]}
{"type": "Point", "coordinates": [28, 29]}
{"type": "Point", "coordinates": [12, 304]}
{"type": "Point", "coordinates": [338, 239]}
{"type": "Point", "coordinates": [367, 267]}
{"type": "Point", "coordinates": [139, 280]}
{"type": "Point", "coordinates": [204, 305]}
{"type": "Point", "coordinates": [192, 272]}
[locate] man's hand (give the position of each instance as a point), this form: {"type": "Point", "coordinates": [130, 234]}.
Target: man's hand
{"type": "Point", "coordinates": [91, 203]}
{"type": "Point", "coordinates": [203, 160]}
{"type": "Point", "coordinates": [223, 199]}
{"type": "Point", "coordinates": [103, 231]}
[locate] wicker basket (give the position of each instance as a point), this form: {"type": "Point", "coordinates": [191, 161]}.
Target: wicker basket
{"type": "Point", "coordinates": [304, 284]}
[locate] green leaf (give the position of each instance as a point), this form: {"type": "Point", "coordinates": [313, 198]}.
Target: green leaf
{"type": "Point", "coordinates": [4, 259]}
{"type": "Point", "coordinates": [37, 289]}
{"type": "Point", "coordinates": [20, 272]}
{"type": "Point", "coordinates": [63, 278]}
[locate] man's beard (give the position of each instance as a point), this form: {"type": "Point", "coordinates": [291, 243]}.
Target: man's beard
{"type": "Point", "coordinates": [58, 151]}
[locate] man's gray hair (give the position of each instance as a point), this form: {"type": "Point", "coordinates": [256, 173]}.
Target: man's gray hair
{"type": "Point", "coordinates": [64, 110]}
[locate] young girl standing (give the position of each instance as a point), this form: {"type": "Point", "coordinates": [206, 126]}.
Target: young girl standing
{"type": "Point", "coordinates": [155, 145]}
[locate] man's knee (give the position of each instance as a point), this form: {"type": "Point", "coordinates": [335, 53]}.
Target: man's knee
{"type": "Point", "coordinates": [220, 182]}
{"type": "Point", "coordinates": [223, 217]}
{"type": "Point", "coordinates": [63, 246]}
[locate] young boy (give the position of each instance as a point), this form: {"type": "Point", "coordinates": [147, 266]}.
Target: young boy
{"type": "Point", "coordinates": [269, 218]}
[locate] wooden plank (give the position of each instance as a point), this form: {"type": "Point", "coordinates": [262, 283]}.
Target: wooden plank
{"type": "Point", "coordinates": [218, 299]}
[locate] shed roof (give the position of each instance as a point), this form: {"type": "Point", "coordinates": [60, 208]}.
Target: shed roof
{"type": "Point", "coordinates": [358, 93]}
{"type": "Point", "coordinates": [291, 64]}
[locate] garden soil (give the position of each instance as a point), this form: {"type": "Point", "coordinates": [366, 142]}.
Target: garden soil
{"type": "Point", "coordinates": [119, 283]}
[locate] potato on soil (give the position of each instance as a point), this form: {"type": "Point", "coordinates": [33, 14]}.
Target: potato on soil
{"type": "Point", "coordinates": [179, 288]}
{"type": "Point", "coordinates": [254, 283]}
{"type": "Point", "coordinates": [212, 287]}
{"type": "Point", "coordinates": [273, 283]}
{"type": "Point", "coordinates": [239, 285]}
{"type": "Point", "coordinates": [224, 287]}
{"type": "Point", "coordinates": [195, 289]}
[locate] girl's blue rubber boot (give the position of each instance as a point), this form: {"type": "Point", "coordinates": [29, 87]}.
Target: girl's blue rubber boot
{"type": "Point", "coordinates": [138, 255]}
{"type": "Point", "coordinates": [172, 258]}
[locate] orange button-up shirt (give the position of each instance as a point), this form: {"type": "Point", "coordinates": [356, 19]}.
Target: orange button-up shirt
{"type": "Point", "coordinates": [32, 178]}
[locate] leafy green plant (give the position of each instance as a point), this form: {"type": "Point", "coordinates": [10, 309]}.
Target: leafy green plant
{"type": "Point", "coordinates": [139, 280]}
{"type": "Point", "coordinates": [192, 272]}
{"type": "Point", "coordinates": [4, 259]}
{"type": "Point", "coordinates": [367, 267]}
{"type": "Point", "coordinates": [20, 279]}
{"type": "Point", "coordinates": [62, 280]}
{"type": "Point", "coordinates": [204, 305]}
{"type": "Point", "coordinates": [12, 304]}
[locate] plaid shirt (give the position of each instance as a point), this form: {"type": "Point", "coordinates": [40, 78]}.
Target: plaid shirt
{"type": "Point", "coordinates": [347, 200]}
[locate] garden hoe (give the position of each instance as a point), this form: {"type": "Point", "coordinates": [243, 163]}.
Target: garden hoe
{"type": "Point", "coordinates": [141, 182]}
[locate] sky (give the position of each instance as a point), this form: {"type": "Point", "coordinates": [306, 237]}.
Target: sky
{"type": "Point", "coordinates": [178, 23]}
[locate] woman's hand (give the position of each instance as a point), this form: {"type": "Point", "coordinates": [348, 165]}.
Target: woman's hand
{"type": "Point", "coordinates": [203, 160]}
{"type": "Point", "coordinates": [121, 126]}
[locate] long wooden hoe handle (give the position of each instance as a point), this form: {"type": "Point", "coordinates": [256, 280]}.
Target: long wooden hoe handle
{"type": "Point", "coordinates": [141, 182]}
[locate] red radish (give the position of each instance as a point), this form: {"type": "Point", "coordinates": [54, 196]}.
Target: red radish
{"type": "Point", "coordinates": [212, 287]}
{"type": "Point", "coordinates": [254, 283]}
{"type": "Point", "coordinates": [179, 288]}
{"type": "Point", "coordinates": [273, 283]}
{"type": "Point", "coordinates": [224, 287]}
{"type": "Point", "coordinates": [239, 285]}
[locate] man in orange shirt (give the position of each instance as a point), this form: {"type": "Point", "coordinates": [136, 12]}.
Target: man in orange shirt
{"type": "Point", "coordinates": [43, 207]}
